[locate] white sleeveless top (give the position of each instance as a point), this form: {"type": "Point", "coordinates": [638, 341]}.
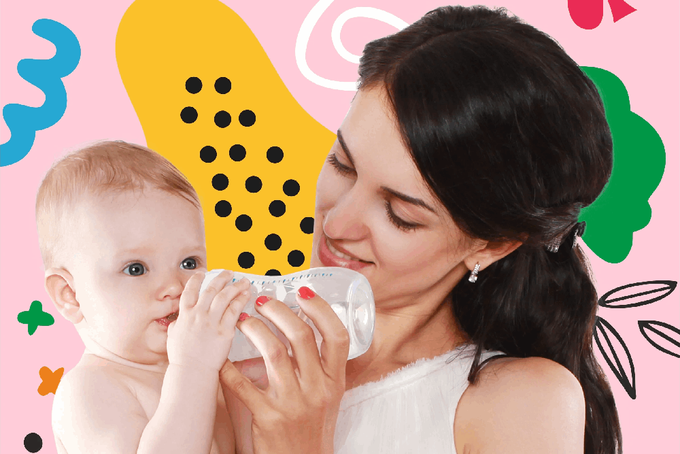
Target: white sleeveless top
{"type": "Point", "coordinates": [411, 410]}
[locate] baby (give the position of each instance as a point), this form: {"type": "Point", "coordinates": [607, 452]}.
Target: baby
{"type": "Point", "coordinates": [122, 239]}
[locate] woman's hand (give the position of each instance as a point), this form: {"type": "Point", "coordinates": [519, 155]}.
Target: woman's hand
{"type": "Point", "coordinates": [298, 409]}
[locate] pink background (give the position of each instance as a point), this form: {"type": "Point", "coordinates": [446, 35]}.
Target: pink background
{"type": "Point", "coordinates": [642, 49]}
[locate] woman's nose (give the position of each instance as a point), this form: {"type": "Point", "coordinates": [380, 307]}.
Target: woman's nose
{"type": "Point", "coordinates": [346, 219]}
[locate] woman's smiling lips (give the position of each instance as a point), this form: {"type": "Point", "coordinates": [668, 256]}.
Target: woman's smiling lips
{"type": "Point", "coordinates": [332, 256]}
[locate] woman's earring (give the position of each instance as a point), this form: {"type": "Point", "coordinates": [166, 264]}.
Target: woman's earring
{"type": "Point", "coordinates": [473, 275]}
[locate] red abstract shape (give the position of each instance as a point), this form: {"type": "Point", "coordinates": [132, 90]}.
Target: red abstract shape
{"type": "Point", "coordinates": [587, 14]}
{"type": "Point", "coordinates": [620, 9]}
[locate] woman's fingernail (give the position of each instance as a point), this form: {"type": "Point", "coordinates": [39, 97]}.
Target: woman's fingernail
{"type": "Point", "coordinates": [305, 293]}
{"type": "Point", "coordinates": [261, 300]}
{"type": "Point", "coordinates": [243, 316]}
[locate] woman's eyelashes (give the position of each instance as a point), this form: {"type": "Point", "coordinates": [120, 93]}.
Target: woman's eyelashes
{"type": "Point", "coordinates": [340, 167]}
{"type": "Point", "coordinates": [397, 221]}
{"type": "Point", "coordinates": [394, 219]}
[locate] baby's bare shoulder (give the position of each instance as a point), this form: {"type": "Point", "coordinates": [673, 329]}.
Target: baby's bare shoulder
{"type": "Point", "coordinates": [92, 402]}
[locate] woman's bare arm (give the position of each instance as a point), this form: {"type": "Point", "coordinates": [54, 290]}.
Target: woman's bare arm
{"type": "Point", "coordinates": [521, 405]}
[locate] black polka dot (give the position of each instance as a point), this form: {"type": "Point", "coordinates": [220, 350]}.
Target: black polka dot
{"type": "Point", "coordinates": [208, 154]}
{"type": "Point", "coordinates": [244, 223]}
{"type": "Point", "coordinates": [247, 118]}
{"type": "Point", "coordinates": [188, 115]}
{"type": "Point", "coordinates": [222, 85]}
{"type": "Point", "coordinates": [291, 188]}
{"type": "Point", "coordinates": [272, 242]}
{"type": "Point", "coordinates": [273, 272]}
{"type": "Point", "coordinates": [237, 152]}
{"type": "Point", "coordinates": [277, 208]}
{"type": "Point", "coordinates": [246, 260]}
{"type": "Point", "coordinates": [307, 225]}
{"type": "Point", "coordinates": [296, 258]}
{"type": "Point", "coordinates": [223, 208]}
{"type": "Point", "coordinates": [193, 85]}
{"type": "Point", "coordinates": [220, 182]}
{"type": "Point", "coordinates": [222, 119]}
{"type": "Point", "coordinates": [33, 442]}
{"type": "Point", "coordinates": [275, 154]}
{"type": "Point", "coordinates": [253, 184]}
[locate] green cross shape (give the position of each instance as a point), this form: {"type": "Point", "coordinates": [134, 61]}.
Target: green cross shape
{"type": "Point", "coordinates": [35, 317]}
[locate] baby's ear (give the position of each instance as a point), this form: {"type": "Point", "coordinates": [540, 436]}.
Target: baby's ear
{"type": "Point", "coordinates": [58, 285]}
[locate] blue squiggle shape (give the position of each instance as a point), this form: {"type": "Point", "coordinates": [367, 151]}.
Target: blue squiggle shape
{"type": "Point", "coordinates": [24, 121]}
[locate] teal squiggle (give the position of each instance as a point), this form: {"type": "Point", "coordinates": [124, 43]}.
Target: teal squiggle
{"type": "Point", "coordinates": [24, 121]}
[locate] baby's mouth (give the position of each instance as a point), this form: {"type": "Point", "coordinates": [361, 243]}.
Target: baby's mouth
{"type": "Point", "coordinates": [165, 321]}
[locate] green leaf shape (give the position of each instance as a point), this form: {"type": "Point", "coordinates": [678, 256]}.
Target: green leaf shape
{"type": "Point", "coordinates": [35, 317]}
{"type": "Point", "coordinates": [639, 161]}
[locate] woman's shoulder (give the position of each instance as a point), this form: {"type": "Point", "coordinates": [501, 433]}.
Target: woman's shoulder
{"type": "Point", "coordinates": [521, 405]}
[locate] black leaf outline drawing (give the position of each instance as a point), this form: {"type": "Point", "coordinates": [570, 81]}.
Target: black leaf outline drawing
{"type": "Point", "coordinates": [651, 326]}
{"type": "Point", "coordinates": [663, 286]}
{"type": "Point", "coordinates": [601, 332]}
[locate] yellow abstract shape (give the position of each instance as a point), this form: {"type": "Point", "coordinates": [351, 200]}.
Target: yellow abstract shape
{"type": "Point", "coordinates": [50, 380]}
{"type": "Point", "coordinates": [197, 77]}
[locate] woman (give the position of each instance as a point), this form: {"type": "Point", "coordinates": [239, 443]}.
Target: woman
{"type": "Point", "coordinates": [455, 187]}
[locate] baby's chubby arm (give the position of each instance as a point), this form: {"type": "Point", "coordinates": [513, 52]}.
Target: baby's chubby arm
{"type": "Point", "coordinates": [198, 344]}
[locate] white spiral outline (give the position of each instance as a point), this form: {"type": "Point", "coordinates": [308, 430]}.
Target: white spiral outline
{"type": "Point", "coordinates": [306, 31]}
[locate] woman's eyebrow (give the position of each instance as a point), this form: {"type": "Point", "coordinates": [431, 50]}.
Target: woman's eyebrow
{"type": "Point", "coordinates": [344, 147]}
{"type": "Point", "coordinates": [408, 198]}
{"type": "Point", "coordinates": [397, 194]}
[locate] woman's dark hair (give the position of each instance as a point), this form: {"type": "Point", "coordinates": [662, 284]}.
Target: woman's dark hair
{"type": "Point", "coordinates": [511, 137]}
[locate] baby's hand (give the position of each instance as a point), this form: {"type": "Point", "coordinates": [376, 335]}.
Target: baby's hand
{"type": "Point", "coordinates": [202, 334]}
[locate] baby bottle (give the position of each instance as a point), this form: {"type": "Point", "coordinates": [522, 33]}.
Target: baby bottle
{"type": "Point", "coordinates": [348, 293]}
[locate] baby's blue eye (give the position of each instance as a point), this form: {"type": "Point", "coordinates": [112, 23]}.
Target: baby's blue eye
{"type": "Point", "coordinates": [189, 264]}
{"type": "Point", "coordinates": [135, 269]}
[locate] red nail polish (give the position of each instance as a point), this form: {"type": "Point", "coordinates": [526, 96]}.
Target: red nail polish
{"type": "Point", "coordinates": [305, 293]}
{"type": "Point", "coordinates": [261, 300]}
{"type": "Point", "coordinates": [243, 316]}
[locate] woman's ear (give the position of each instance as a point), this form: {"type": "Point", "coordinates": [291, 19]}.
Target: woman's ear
{"type": "Point", "coordinates": [491, 253]}
{"type": "Point", "coordinates": [59, 285]}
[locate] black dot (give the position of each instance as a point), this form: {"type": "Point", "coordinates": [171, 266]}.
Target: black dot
{"type": "Point", "coordinates": [189, 115]}
{"type": "Point", "coordinates": [222, 85]}
{"type": "Point", "coordinates": [272, 242]}
{"type": "Point", "coordinates": [246, 260]}
{"type": "Point", "coordinates": [222, 119]}
{"type": "Point", "coordinates": [247, 118]}
{"type": "Point", "coordinates": [223, 208]}
{"type": "Point", "coordinates": [237, 152]}
{"type": "Point", "coordinates": [274, 154]}
{"type": "Point", "coordinates": [208, 154]}
{"type": "Point", "coordinates": [244, 223]}
{"type": "Point", "coordinates": [33, 442]}
{"type": "Point", "coordinates": [220, 182]}
{"type": "Point", "coordinates": [307, 225]}
{"type": "Point", "coordinates": [273, 272]}
{"type": "Point", "coordinates": [291, 188]}
{"type": "Point", "coordinates": [253, 184]}
{"type": "Point", "coordinates": [296, 258]}
{"type": "Point", "coordinates": [277, 208]}
{"type": "Point", "coordinates": [193, 85]}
